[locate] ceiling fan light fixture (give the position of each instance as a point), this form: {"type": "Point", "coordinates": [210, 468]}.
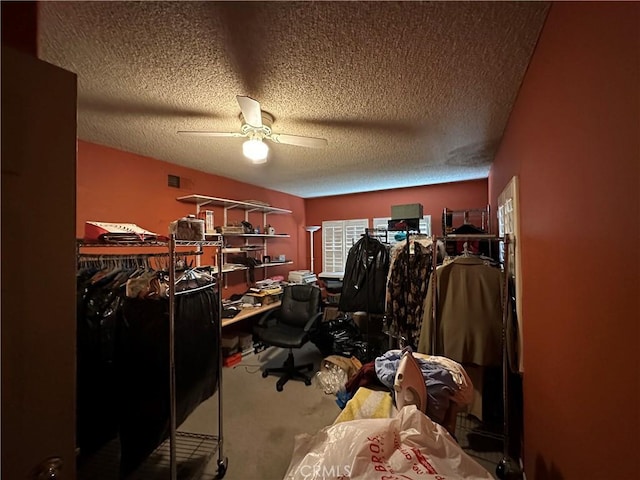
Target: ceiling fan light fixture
{"type": "Point", "coordinates": [256, 127]}
{"type": "Point", "coordinates": [255, 150]}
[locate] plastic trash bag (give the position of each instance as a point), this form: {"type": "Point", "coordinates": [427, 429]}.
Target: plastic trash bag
{"type": "Point", "coordinates": [332, 336]}
{"type": "Point", "coordinates": [408, 446]}
{"type": "Point", "coordinates": [331, 379]}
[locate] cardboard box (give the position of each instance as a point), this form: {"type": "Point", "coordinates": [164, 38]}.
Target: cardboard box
{"type": "Point", "coordinates": [245, 341]}
{"type": "Point", "coordinates": [406, 212]}
{"type": "Point", "coordinates": [229, 344]}
{"type": "Point", "coordinates": [330, 313]}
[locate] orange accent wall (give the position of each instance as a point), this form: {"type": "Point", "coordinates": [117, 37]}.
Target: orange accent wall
{"type": "Point", "coordinates": [573, 139]}
{"type": "Point", "coordinates": [118, 186]}
{"type": "Point", "coordinates": [434, 198]}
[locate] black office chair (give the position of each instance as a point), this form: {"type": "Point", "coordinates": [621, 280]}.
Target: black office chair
{"type": "Point", "coordinates": [289, 326]}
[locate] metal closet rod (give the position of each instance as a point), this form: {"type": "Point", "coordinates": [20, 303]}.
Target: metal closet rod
{"type": "Point", "coordinates": [134, 255]}
{"type": "Point", "coordinates": [82, 244]}
{"type": "Point", "coordinates": [480, 236]}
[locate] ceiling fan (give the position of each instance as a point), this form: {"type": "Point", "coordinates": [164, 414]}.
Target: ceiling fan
{"type": "Point", "coordinates": [256, 126]}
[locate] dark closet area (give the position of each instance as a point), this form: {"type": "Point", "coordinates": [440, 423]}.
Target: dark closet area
{"type": "Point", "coordinates": [124, 338]}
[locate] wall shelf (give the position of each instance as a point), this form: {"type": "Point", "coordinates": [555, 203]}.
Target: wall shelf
{"type": "Point", "coordinates": [203, 200]}
{"type": "Point", "coordinates": [243, 249]}
{"type": "Point", "coordinates": [276, 264]}
{"type": "Point", "coordinates": [248, 207]}
{"type": "Point", "coordinates": [235, 268]}
{"type": "Point", "coordinates": [257, 235]}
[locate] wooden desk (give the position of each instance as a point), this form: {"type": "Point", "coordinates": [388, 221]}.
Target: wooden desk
{"type": "Point", "coordinates": [249, 312]}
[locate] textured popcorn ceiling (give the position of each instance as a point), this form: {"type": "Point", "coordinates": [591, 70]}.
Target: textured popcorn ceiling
{"type": "Point", "coordinates": [407, 93]}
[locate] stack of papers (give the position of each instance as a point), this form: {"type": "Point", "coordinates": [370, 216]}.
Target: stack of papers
{"type": "Point", "coordinates": [117, 233]}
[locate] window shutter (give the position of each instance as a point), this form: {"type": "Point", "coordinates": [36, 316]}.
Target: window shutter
{"type": "Point", "coordinates": [353, 230]}
{"type": "Point", "coordinates": [382, 223]}
{"type": "Point", "coordinates": [332, 259]}
{"type": "Point", "coordinates": [338, 236]}
{"type": "Point", "coordinates": [425, 225]}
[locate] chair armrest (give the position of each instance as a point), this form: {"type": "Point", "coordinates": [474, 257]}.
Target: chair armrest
{"type": "Point", "coordinates": [311, 322]}
{"type": "Point", "coordinates": [262, 322]}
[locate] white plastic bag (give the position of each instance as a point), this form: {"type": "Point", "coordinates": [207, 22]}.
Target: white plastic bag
{"type": "Point", "coordinates": [408, 446]}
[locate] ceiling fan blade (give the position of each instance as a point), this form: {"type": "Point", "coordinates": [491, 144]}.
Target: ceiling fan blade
{"type": "Point", "coordinates": [298, 140]}
{"type": "Point", "coordinates": [251, 111]}
{"type": "Point", "coordinates": [204, 133]}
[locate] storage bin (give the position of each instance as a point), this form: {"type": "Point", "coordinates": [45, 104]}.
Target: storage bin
{"type": "Point", "coordinates": [188, 228]}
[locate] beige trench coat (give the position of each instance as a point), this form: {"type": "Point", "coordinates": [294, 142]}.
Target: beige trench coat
{"type": "Point", "coordinates": [469, 313]}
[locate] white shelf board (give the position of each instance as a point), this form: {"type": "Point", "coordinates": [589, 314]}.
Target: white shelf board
{"type": "Point", "coordinates": [241, 249]}
{"type": "Point", "coordinates": [257, 235]}
{"type": "Point", "coordinates": [203, 200]}
{"type": "Point", "coordinates": [214, 269]}
{"type": "Point", "coordinates": [275, 264]}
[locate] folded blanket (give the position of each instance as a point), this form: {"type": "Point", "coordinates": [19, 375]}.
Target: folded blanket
{"type": "Point", "coordinates": [367, 403]}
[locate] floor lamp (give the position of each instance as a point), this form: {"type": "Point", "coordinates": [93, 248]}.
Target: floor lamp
{"type": "Point", "coordinates": [312, 229]}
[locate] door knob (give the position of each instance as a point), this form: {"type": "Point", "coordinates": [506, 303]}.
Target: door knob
{"type": "Point", "coordinates": [49, 469]}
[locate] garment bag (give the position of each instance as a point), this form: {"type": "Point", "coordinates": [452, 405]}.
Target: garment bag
{"type": "Point", "coordinates": [144, 368]}
{"type": "Point", "coordinates": [99, 297]}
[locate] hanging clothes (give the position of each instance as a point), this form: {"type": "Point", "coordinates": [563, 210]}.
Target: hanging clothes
{"type": "Point", "coordinates": [407, 286]}
{"type": "Point", "coordinates": [469, 313]}
{"type": "Point", "coordinates": [143, 368]}
{"type": "Point", "coordinates": [365, 277]}
{"type": "Point", "coordinates": [482, 247]}
{"type": "Point", "coordinates": [100, 294]}
{"type": "Point", "coordinates": [123, 353]}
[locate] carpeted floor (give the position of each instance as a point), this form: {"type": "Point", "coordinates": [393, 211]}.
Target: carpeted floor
{"type": "Point", "coordinates": [259, 427]}
{"type": "Point", "coordinates": [260, 423]}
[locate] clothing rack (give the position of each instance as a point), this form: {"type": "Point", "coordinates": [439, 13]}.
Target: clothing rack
{"type": "Point", "coordinates": [378, 233]}
{"type": "Point", "coordinates": [173, 243]}
{"type": "Point", "coordinates": [473, 221]}
{"type": "Point", "coordinates": [448, 215]}
{"type": "Point", "coordinates": [135, 259]}
{"type": "Point", "coordinates": [214, 443]}
{"type": "Point", "coordinates": [407, 270]}
{"type": "Point", "coordinates": [503, 465]}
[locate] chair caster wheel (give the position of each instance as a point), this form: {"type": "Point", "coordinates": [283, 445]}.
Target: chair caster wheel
{"type": "Point", "coordinates": [222, 468]}
{"type": "Point", "coordinates": [307, 382]}
{"type": "Point", "coordinates": [279, 388]}
{"type": "Point", "coordinates": [265, 374]}
{"type": "Point", "coordinates": [507, 469]}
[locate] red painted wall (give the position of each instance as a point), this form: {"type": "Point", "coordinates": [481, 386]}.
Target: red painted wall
{"type": "Point", "coordinates": [434, 198]}
{"type": "Point", "coordinates": [117, 186]}
{"type": "Point", "coordinates": [573, 139]}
